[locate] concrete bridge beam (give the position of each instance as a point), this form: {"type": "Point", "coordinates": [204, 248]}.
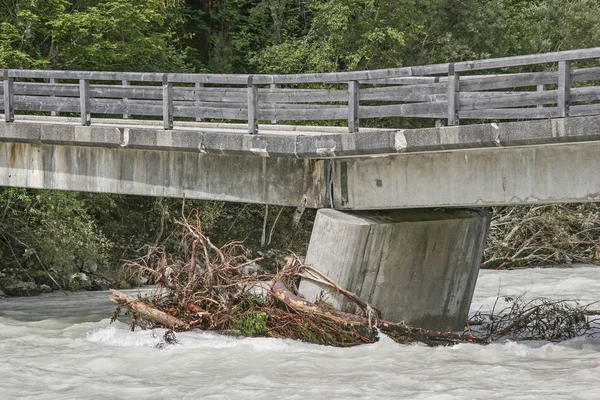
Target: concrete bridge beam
{"type": "Point", "coordinates": [416, 266]}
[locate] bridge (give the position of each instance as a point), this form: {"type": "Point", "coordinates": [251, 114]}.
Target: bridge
{"type": "Point", "coordinates": [533, 137]}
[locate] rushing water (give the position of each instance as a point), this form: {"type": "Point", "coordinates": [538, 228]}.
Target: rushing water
{"type": "Point", "coordinates": [63, 347]}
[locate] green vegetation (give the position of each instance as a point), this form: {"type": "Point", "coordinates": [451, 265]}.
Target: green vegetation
{"type": "Point", "coordinates": [47, 236]}
{"type": "Point", "coordinates": [253, 324]}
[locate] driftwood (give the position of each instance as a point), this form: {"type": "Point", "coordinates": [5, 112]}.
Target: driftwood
{"type": "Point", "coordinates": [397, 331]}
{"type": "Point", "coordinates": [141, 307]}
{"type": "Point", "coordinates": [204, 287]}
{"type": "Point", "coordinates": [207, 289]}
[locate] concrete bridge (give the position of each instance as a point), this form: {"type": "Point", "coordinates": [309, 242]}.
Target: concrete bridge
{"type": "Point", "coordinates": [160, 135]}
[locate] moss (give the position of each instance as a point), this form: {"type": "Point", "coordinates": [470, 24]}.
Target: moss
{"type": "Point", "coordinates": [253, 324]}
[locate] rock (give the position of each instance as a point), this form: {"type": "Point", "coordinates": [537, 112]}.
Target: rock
{"type": "Point", "coordinates": [253, 269]}
{"type": "Point", "coordinates": [2, 294]}
{"type": "Point", "coordinates": [21, 288]}
{"type": "Point", "coordinates": [99, 283]}
{"type": "Point", "coordinates": [259, 289]}
{"type": "Point", "coordinates": [80, 281]}
{"type": "Point", "coordinates": [45, 289]}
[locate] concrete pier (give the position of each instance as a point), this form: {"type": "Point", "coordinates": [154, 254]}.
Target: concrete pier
{"type": "Point", "coordinates": [416, 266]}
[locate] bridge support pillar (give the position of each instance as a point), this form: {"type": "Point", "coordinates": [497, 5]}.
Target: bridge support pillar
{"type": "Point", "coordinates": [417, 266]}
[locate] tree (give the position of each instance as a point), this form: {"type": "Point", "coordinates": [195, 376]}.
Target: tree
{"type": "Point", "coordinates": [347, 35]}
{"type": "Point", "coordinates": [124, 35]}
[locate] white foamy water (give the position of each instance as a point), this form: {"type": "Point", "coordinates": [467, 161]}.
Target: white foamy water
{"type": "Point", "coordinates": [63, 347]}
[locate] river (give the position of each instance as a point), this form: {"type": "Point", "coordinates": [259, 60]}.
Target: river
{"type": "Point", "coordinates": [63, 347]}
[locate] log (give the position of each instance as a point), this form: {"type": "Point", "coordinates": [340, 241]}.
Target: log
{"type": "Point", "coordinates": [145, 309]}
{"type": "Point", "coordinates": [399, 332]}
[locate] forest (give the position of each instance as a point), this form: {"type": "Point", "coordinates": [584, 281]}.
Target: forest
{"type": "Point", "coordinates": [50, 240]}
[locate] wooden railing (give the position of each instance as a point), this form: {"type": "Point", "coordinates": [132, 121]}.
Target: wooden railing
{"type": "Point", "coordinates": [450, 92]}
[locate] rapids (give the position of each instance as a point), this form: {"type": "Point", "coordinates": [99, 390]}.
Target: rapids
{"type": "Point", "coordinates": [63, 347]}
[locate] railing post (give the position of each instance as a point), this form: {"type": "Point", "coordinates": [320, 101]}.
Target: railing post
{"type": "Point", "coordinates": [53, 113]}
{"type": "Point", "coordinates": [197, 87]}
{"type": "Point", "coordinates": [453, 95]}
{"type": "Point", "coordinates": [9, 107]}
{"type": "Point", "coordinates": [353, 103]}
{"type": "Point", "coordinates": [274, 86]}
{"type": "Point", "coordinates": [125, 114]}
{"type": "Point", "coordinates": [84, 102]}
{"type": "Point", "coordinates": [539, 89]}
{"type": "Point", "coordinates": [252, 107]}
{"type": "Point", "coordinates": [167, 88]}
{"type": "Point", "coordinates": [564, 88]}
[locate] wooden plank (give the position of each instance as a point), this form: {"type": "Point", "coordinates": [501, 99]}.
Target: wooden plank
{"type": "Point", "coordinates": [511, 113]}
{"type": "Point", "coordinates": [408, 93]}
{"type": "Point", "coordinates": [353, 107]}
{"type": "Point", "coordinates": [221, 79]}
{"type": "Point", "coordinates": [167, 89]}
{"type": "Point", "coordinates": [302, 95]}
{"type": "Point", "coordinates": [66, 90]}
{"type": "Point", "coordinates": [418, 110]}
{"type": "Point", "coordinates": [499, 81]}
{"type": "Point", "coordinates": [564, 88]}
{"type": "Point", "coordinates": [47, 89]}
{"type": "Point", "coordinates": [453, 99]}
{"type": "Point", "coordinates": [365, 76]}
{"type": "Point", "coordinates": [116, 106]}
{"type": "Point", "coordinates": [252, 107]}
{"type": "Point", "coordinates": [179, 93]}
{"type": "Point", "coordinates": [485, 100]}
{"type": "Point", "coordinates": [8, 95]}
{"type": "Point", "coordinates": [322, 113]}
{"type": "Point", "coordinates": [84, 102]}
{"type": "Point", "coordinates": [585, 109]}
{"type": "Point", "coordinates": [239, 114]}
{"type": "Point", "coordinates": [299, 106]}
{"type": "Point", "coordinates": [140, 103]}
{"type": "Point", "coordinates": [88, 75]}
{"type": "Point", "coordinates": [585, 74]}
{"type": "Point", "coordinates": [504, 62]}
{"type": "Point", "coordinates": [405, 80]}
{"type": "Point", "coordinates": [589, 93]}
{"type": "Point", "coordinates": [65, 104]}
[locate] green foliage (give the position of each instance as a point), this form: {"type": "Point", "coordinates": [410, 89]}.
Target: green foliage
{"type": "Point", "coordinates": [347, 35]}
{"type": "Point", "coordinates": [123, 35]}
{"type": "Point", "coordinates": [49, 228]}
{"type": "Point", "coordinates": [253, 324]}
